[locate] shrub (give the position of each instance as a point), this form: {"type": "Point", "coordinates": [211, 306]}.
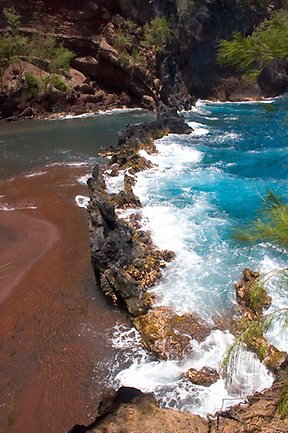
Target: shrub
{"type": "Point", "coordinates": [156, 34]}
{"type": "Point", "coordinates": [58, 83]}
{"type": "Point", "coordinates": [31, 81]}
{"type": "Point", "coordinates": [283, 404]}
{"type": "Point", "coordinates": [123, 41]}
{"type": "Point", "coordinates": [139, 58]}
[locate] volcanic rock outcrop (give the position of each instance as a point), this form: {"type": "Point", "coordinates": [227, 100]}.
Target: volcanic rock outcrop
{"type": "Point", "coordinates": [124, 259]}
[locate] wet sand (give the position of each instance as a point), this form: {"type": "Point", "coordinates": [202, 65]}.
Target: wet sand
{"type": "Point", "coordinates": [54, 325]}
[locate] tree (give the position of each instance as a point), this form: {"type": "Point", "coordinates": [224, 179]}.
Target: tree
{"type": "Point", "coordinates": [271, 225]}
{"type": "Point", "coordinates": [156, 34]}
{"type": "Point", "coordinates": [269, 41]}
{"type": "Point", "coordinates": [46, 53]}
{"type": "Point", "coordinates": [41, 50]}
{"type": "Point", "coordinates": [13, 45]}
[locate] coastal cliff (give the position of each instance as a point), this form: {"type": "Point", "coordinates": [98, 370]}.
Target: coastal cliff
{"type": "Point", "coordinates": [135, 53]}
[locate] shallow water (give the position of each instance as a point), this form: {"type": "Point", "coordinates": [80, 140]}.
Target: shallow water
{"type": "Point", "coordinates": [55, 327]}
{"type": "Point", "coordinates": [34, 143]}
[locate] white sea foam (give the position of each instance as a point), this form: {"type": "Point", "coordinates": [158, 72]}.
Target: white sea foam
{"type": "Point", "coordinates": [206, 102]}
{"type": "Point", "coordinates": [166, 378]}
{"type": "Point", "coordinates": [8, 208]}
{"type": "Point", "coordinates": [114, 184]}
{"type": "Point", "coordinates": [82, 201]}
{"type": "Point", "coordinates": [198, 128]}
{"type": "Point", "coordinates": [72, 116]}
{"type": "Point", "coordinates": [93, 114]}
{"type": "Point", "coordinates": [83, 179]}
{"type": "Point", "coordinates": [120, 110]}
{"type": "Point", "coordinates": [35, 173]}
{"type": "Point", "coordinates": [69, 164]}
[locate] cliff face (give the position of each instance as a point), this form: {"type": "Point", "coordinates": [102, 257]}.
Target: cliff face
{"type": "Point", "coordinates": [184, 70]}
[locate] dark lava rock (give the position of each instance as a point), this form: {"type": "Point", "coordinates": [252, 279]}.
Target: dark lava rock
{"type": "Point", "coordinates": [86, 89]}
{"type": "Point", "coordinates": [125, 262]}
{"type": "Point", "coordinates": [273, 80]}
{"type": "Point", "coordinates": [113, 250]}
{"type": "Point", "coordinates": [27, 112]}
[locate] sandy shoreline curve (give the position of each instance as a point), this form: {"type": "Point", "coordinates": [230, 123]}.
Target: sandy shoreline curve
{"type": "Point", "coordinates": [24, 240]}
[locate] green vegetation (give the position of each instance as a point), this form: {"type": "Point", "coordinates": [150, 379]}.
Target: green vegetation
{"type": "Point", "coordinates": [262, 4]}
{"type": "Point", "coordinates": [156, 34]}
{"type": "Point", "coordinates": [271, 224]}
{"type": "Point", "coordinates": [46, 53]}
{"type": "Point", "coordinates": [31, 87]}
{"type": "Point", "coordinates": [125, 43]}
{"type": "Point", "coordinates": [10, 421]}
{"type": "Point", "coordinates": [253, 332]}
{"type": "Point", "coordinates": [283, 404]}
{"type": "Point", "coordinates": [41, 50]}
{"type": "Point", "coordinates": [257, 297]}
{"type": "Point", "coordinates": [123, 40]}
{"type": "Point", "coordinates": [13, 45]}
{"type": "Point", "coordinates": [250, 54]}
{"type": "Point", "coordinates": [55, 82]}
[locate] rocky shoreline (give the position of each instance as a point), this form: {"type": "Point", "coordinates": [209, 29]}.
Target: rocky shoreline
{"type": "Point", "coordinates": [129, 410]}
{"type": "Point", "coordinates": [126, 264]}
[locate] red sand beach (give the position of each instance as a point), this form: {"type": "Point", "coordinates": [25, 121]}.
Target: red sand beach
{"type": "Point", "coordinates": [53, 322]}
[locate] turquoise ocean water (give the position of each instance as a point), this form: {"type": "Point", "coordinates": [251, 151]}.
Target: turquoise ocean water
{"type": "Point", "coordinates": [202, 187]}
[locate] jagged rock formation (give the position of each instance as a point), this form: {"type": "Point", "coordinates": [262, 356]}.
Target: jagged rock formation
{"type": "Point", "coordinates": [124, 260]}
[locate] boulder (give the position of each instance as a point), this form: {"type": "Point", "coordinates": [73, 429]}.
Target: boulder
{"type": "Point", "coordinates": [204, 377]}
{"type": "Point", "coordinates": [248, 289]}
{"type": "Point", "coordinates": [107, 51]}
{"type": "Point", "coordinates": [273, 79]}
{"type": "Point", "coordinates": [9, 107]}
{"type": "Point", "coordinates": [93, 99]}
{"type": "Point", "coordinates": [86, 89]}
{"type": "Point", "coordinates": [167, 334]}
{"type": "Point", "coordinates": [87, 65]}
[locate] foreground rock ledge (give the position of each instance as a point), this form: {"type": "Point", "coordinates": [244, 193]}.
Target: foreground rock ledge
{"type": "Point", "coordinates": [130, 411]}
